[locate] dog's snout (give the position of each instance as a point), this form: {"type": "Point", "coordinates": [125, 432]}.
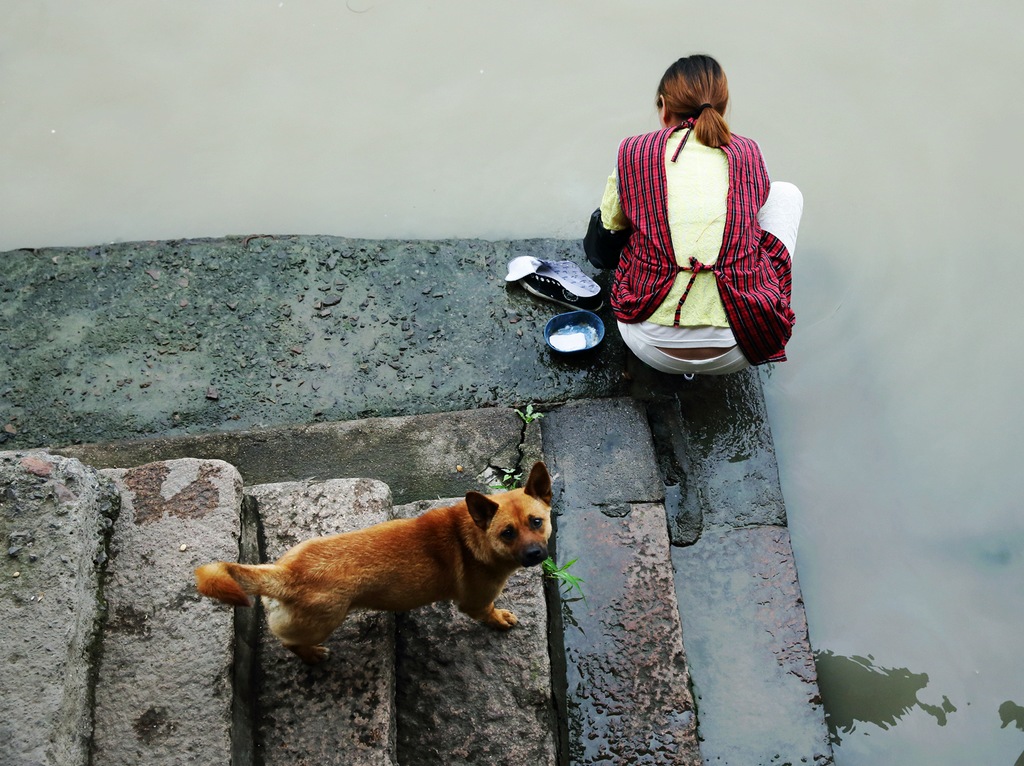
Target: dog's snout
{"type": "Point", "coordinates": [533, 555]}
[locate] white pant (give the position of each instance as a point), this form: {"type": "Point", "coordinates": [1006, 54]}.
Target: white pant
{"type": "Point", "coordinates": [780, 215]}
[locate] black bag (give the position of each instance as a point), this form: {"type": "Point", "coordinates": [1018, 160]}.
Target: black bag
{"type": "Point", "coordinates": [602, 246]}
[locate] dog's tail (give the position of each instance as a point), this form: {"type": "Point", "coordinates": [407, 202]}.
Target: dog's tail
{"type": "Point", "coordinates": [235, 583]}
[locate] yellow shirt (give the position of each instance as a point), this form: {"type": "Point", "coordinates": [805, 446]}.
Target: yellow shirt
{"type": "Point", "coordinates": [698, 184]}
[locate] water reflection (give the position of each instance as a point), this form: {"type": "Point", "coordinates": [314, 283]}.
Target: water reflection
{"type": "Point", "coordinates": [858, 691]}
{"type": "Point", "coordinates": [1011, 712]}
{"type": "Point", "coordinates": [872, 694]}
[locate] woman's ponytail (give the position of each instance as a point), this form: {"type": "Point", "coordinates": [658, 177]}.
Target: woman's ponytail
{"type": "Point", "coordinates": [711, 129]}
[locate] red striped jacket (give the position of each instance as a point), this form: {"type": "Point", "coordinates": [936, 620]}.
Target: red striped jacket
{"type": "Point", "coordinates": [753, 269]}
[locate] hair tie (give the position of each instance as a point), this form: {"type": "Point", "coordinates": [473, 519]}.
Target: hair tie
{"type": "Point", "coordinates": [702, 108]}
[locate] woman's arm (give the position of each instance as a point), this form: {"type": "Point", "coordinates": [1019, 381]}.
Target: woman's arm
{"type": "Point", "coordinates": [608, 231]}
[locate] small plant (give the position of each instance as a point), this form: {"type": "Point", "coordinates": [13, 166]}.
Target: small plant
{"type": "Point", "coordinates": [561, 574]}
{"type": "Point", "coordinates": [508, 480]}
{"type": "Point", "coordinates": [530, 415]}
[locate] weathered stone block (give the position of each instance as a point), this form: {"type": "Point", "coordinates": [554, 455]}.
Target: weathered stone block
{"type": "Point", "coordinates": [431, 446]}
{"type": "Point", "coordinates": [683, 504]}
{"type": "Point", "coordinates": [746, 641]}
{"type": "Point", "coordinates": [469, 695]}
{"type": "Point", "coordinates": [341, 711]}
{"type": "Point", "coordinates": [730, 455]}
{"type": "Point", "coordinates": [602, 451]}
{"type": "Point", "coordinates": [55, 520]}
{"type": "Point", "coordinates": [164, 693]}
{"type": "Point", "coordinates": [628, 697]}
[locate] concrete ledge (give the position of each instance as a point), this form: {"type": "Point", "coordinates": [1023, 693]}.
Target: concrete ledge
{"type": "Point", "coordinates": [746, 640]}
{"type": "Point", "coordinates": [55, 519]}
{"type": "Point", "coordinates": [343, 710]}
{"type": "Point", "coordinates": [468, 694]}
{"type": "Point", "coordinates": [210, 334]}
{"type": "Point", "coordinates": [164, 691]}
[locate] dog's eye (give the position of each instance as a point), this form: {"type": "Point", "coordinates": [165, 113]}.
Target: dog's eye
{"type": "Point", "coordinates": [536, 523]}
{"type": "Point", "coordinates": [508, 533]}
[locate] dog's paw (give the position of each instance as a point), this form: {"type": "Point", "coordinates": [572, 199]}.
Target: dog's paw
{"type": "Point", "coordinates": [311, 655]}
{"type": "Point", "coordinates": [502, 619]}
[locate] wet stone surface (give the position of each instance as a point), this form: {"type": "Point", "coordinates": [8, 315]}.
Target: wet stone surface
{"type": "Point", "coordinates": [715, 448]}
{"type": "Point", "coordinates": [746, 640]}
{"type": "Point", "coordinates": [729, 451]}
{"type": "Point", "coordinates": [628, 696]}
{"type": "Point", "coordinates": [603, 455]}
{"type": "Point", "coordinates": [136, 339]}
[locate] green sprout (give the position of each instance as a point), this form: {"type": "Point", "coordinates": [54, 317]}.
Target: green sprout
{"type": "Point", "coordinates": [529, 416]}
{"type": "Point", "coordinates": [561, 574]}
{"type": "Point", "coordinates": [508, 481]}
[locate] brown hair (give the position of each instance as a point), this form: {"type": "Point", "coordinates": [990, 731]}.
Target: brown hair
{"type": "Point", "coordinates": [687, 87]}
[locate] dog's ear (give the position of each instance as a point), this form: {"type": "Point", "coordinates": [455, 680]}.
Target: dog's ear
{"type": "Point", "coordinates": [538, 484]}
{"type": "Point", "coordinates": [481, 508]}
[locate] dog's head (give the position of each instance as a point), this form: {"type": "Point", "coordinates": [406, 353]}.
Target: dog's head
{"type": "Point", "coordinates": [517, 523]}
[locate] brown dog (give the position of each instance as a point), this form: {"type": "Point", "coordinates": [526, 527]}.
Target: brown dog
{"type": "Point", "coordinates": [463, 553]}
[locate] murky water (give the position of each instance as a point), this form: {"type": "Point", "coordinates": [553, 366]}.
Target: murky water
{"type": "Point", "coordinates": [897, 418]}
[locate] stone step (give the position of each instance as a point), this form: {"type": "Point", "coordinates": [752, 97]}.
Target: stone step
{"type": "Point", "coordinates": [55, 520]}
{"type": "Point", "coordinates": [627, 692]}
{"type": "Point", "coordinates": [465, 695]}
{"type": "Point", "coordinates": [164, 690]}
{"type": "Point", "coordinates": [742, 612]}
{"type": "Point", "coordinates": [746, 639]}
{"type": "Point", "coordinates": [470, 695]}
{"type": "Point", "coordinates": [341, 711]}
